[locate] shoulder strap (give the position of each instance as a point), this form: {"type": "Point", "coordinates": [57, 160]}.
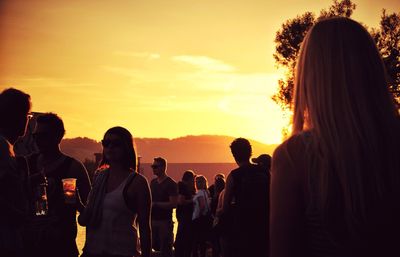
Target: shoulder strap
{"type": "Point", "coordinates": [125, 191]}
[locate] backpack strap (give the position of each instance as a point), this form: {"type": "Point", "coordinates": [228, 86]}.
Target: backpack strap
{"type": "Point", "coordinates": [125, 191]}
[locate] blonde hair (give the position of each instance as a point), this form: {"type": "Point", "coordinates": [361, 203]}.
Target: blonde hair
{"type": "Point", "coordinates": [201, 182]}
{"type": "Point", "coordinates": [342, 98]}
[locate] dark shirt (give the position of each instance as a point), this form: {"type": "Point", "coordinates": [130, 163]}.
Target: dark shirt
{"type": "Point", "coordinates": [312, 234]}
{"type": "Point", "coordinates": [251, 210]}
{"type": "Point", "coordinates": [61, 216]}
{"type": "Point", "coordinates": [184, 212]}
{"type": "Point", "coordinates": [211, 190]}
{"type": "Point", "coordinates": [12, 200]}
{"type": "Point", "coordinates": [160, 192]}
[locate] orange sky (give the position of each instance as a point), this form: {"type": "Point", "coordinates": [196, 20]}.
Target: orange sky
{"type": "Point", "coordinates": [160, 68]}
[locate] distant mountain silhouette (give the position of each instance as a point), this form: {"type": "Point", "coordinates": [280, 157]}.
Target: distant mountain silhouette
{"type": "Point", "coordinates": [80, 147]}
{"type": "Point", "coordinates": [188, 149]}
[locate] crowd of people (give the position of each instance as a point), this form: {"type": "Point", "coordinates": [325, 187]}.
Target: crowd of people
{"type": "Point", "coordinates": [331, 189]}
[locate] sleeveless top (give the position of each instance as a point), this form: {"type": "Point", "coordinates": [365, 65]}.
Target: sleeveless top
{"type": "Point", "coordinates": [117, 232]}
{"type": "Point", "coordinates": [196, 208]}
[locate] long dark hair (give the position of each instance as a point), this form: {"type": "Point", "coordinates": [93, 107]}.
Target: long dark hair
{"type": "Point", "coordinates": [130, 158]}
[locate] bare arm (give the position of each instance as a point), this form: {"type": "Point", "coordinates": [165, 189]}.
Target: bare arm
{"type": "Point", "coordinates": [228, 195]}
{"type": "Point", "coordinates": [220, 203]}
{"type": "Point", "coordinates": [83, 183]}
{"type": "Point", "coordinates": [172, 203]}
{"type": "Point", "coordinates": [139, 192]}
{"type": "Point", "coordinates": [286, 207]}
{"type": "Point", "coordinates": [183, 201]}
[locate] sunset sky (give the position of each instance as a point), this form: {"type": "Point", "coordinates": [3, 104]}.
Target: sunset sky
{"type": "Point", "coordinates": [161, 68]}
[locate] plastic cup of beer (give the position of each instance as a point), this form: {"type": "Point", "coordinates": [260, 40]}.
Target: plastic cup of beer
{"type": "Point", "coordinates": [69, 186]}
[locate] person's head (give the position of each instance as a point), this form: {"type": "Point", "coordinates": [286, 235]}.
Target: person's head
{"type": "Point", "coordinates": [219, 176]}
{"type": "Point", "coordinates": [48, 132]}
{"type": "Point", "coordinates": [201, 182]}
{"type": "Point", "coordinates": [241, 150]}
{"type": "Point", "coordinates": [14, 109]}
{"type": "Point", "coordinates": [159, 166]}
{"type": "Point", "coordinates": [188, 176]}
{"type": "Point", "coordinates": [263, 160]}
{"type": "Point", "coordinates": [119, 148]}
{"type": "Point", "coordinates": [219, 184]}
{"type": "Point", "coordinates": [340, 79]}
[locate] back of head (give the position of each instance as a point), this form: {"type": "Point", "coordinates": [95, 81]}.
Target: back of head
{"type": "Point", "coordinates": [14, 106]}
{"type": "Point", "coordinates": [188, 176]}
{"type": "Point", "coordinates": [342, 97]}
{"type": "Point", "coordinates": [264, 160]}
{"type": "Point", "coordinates": [340, 78]}
{"type": "Point", "coordinates": [54, 123]}
{"type": "Point", "coordinates": [201, 182]}
{"type": "Point", "coordinates": [219, 184]}
{"type": "Point", "coordinates": [130, 156]}
{"type": "Point", "coordinates": [219, 175]}
{"type": "Point", "coordinates": [241, 149]}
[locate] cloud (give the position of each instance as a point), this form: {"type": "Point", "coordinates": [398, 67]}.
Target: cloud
{"type": "Point", "coordinates": [146, 55]}
{"type": "Point", "coordinates": [204, 63]}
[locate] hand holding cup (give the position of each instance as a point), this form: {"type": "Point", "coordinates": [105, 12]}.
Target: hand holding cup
{"type": "Point", "coordinates": [69, 187]}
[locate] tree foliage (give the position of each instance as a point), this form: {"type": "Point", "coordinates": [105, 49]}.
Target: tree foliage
{"type": "Point", "coordinates": [387, 38]}
{"type": "Point", "coordinates": [289, 38]}
{"type": "Point", "coordinates": [288, 41]}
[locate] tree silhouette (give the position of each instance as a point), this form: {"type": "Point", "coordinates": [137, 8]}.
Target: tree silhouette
{"type": "Point", "coordinates": [289, 38]}
{"type": "Point", "coordinates": [387, 38]}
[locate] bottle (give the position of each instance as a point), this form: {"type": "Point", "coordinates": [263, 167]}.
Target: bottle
{"type": "Point", "coordinates": [41, 205]}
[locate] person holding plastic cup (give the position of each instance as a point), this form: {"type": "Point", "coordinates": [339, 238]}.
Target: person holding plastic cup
{"type": "Point", "coordinates": [52, 228]}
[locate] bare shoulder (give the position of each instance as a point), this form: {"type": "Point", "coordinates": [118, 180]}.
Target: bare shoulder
{"type": "Point", "coordinates": [138, 183]}
{"type": "Point", "coordinates": [293, 144]}
{"type": "Point", "coordinates": [289, 157]}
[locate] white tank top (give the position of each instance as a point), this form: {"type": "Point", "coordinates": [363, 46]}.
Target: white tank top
{"type": "Point", "coordinates": [117, 233]}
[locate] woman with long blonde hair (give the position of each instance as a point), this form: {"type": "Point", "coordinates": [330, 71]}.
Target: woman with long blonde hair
{"type": "Point", "coordinates": [335, 183]}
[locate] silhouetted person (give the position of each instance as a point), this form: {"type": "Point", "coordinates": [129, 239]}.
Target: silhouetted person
{"type": "Point", "coordinates": [184, 211]}
{"type": "Point", "coordinates": [218, 186]}
{"type": "Point", "coordinates": [202, 220]}
{"type": "Point", "coordinates": [335, 183]}
{"type": "Point", "coordinates": [211, 189]}
{"type": "Point", "coordinates": [264, 160]}
{"type": "Point", "coordinates": [164, 191]}
{"type": "Point", "coordinates": [247, 196]}
{"type": "Point", "coordinates": [120, 199]}
{"type": "Point", "coordinates": [14, 108]}
{"type": "Point", "coordinates": [54, 234]}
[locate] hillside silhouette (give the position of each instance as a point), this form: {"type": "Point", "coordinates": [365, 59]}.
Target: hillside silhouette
{"type": "Point", "coordinates": [188, 149]}
{"type": "Point", "coordinates": [81, 147]}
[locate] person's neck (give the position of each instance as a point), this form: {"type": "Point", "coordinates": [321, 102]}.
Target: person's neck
{"type": "Point", "coordinates": [161, 177]}
{"type": "Point", "coordinates": [116, 169]}
{"type": "Point", "coordinates": [243, 163]}
{"type": "Point", "coordinates": [51, 155]}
